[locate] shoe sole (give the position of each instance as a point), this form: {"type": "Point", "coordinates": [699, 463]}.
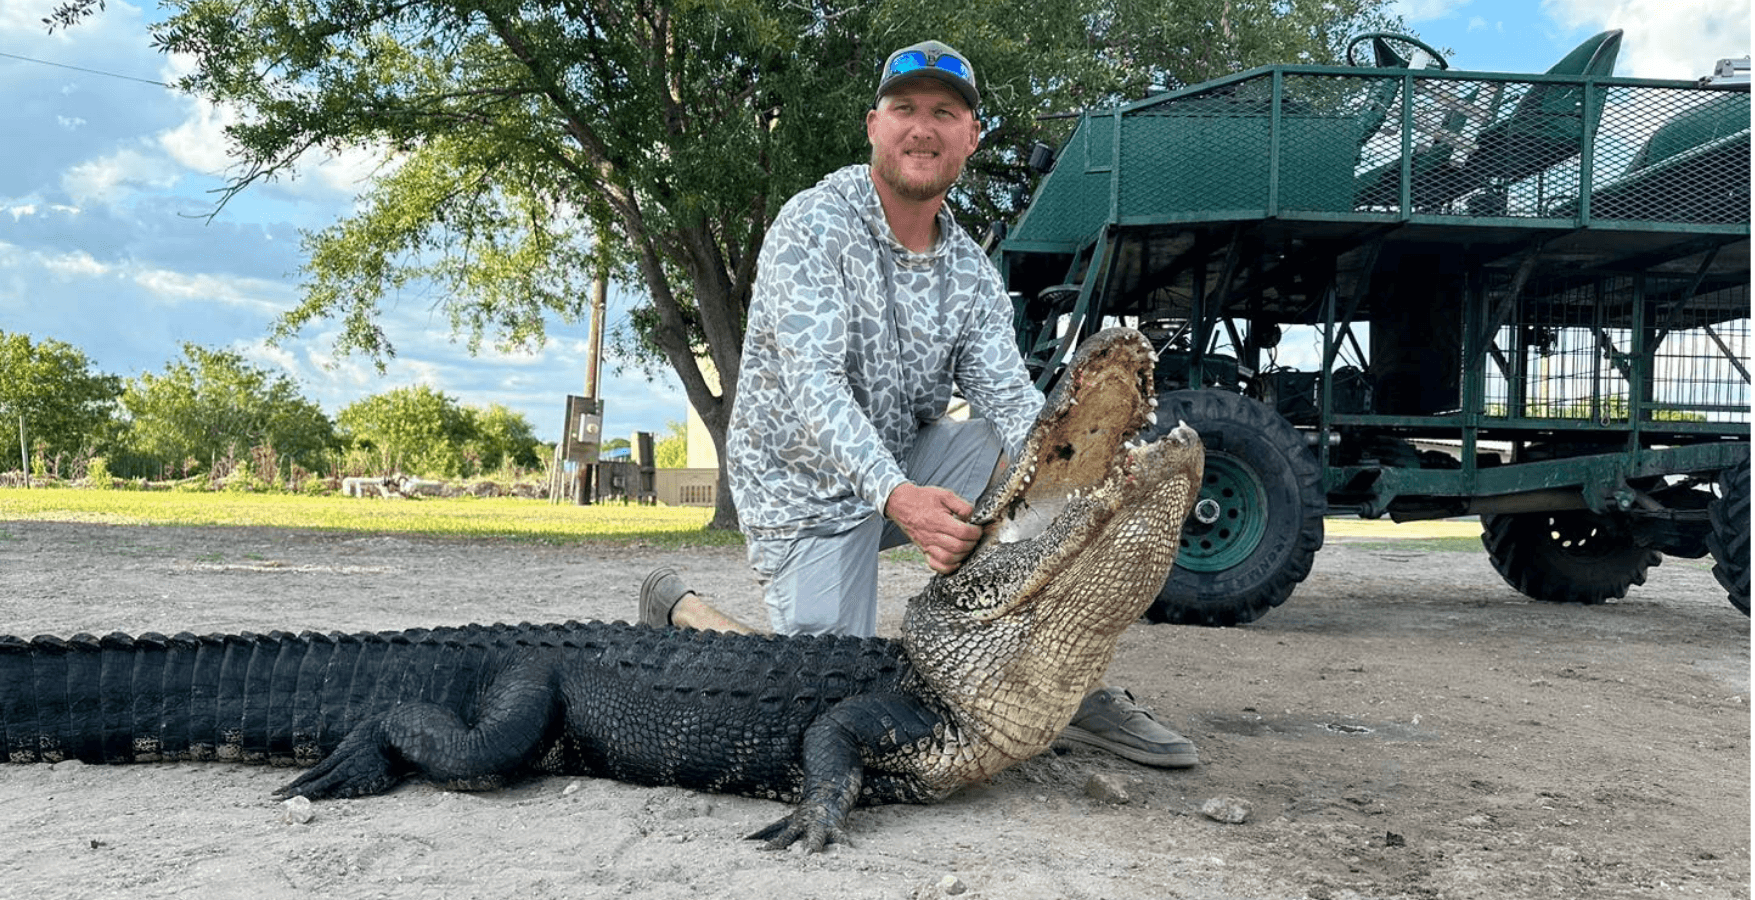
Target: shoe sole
{"type": "Point", "coordinates": [1175, 759]}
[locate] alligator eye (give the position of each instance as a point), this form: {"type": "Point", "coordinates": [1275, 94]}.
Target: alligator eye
{"type": "Point", "coordinates": [1064, 451]}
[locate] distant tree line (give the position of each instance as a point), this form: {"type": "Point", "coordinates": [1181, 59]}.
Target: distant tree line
{"type": "Point", "coordinates": [540, 146]}
{"type": "Point", "coordinates": [212, 414]}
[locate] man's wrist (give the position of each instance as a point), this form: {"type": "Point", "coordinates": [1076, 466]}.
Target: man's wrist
{"type": "Point", "coordinates": [883, 501]}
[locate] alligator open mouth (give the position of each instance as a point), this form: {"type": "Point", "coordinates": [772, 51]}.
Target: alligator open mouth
{"type": "Point", "coordinates": [1078, 540]}
{"type": "Point", "coordinates": [1080, 438]}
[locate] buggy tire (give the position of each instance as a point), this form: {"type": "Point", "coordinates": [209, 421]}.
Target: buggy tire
{"type": "Point", "coordinates": [1729, 540]}
{"type": "Point", "coordinates": [1566, 556]}
{"type": "Point", "coordinates": [1258, 523]}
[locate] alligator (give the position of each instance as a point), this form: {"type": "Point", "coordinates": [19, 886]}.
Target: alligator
{"type": "Point", "coordinates": [992, 661]}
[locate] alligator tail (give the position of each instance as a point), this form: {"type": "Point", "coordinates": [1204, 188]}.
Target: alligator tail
{"type": "Point", "coordinates": [278, 698]}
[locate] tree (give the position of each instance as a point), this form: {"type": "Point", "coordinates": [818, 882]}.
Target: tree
{"type": "Point", "coordinates": [412, 429]}
{"type": "Point", "coordinates": [213, 403]}
{"type": "Point", "coordinates": [535, 146]}
{"type": "Point", "coordinates": [610, 446]}
{"type": "Point", "coordinates": [1154, 45]}
{"type": "Point", "coordinates": [672, 450]}
{"type": "Point", "coordinates": [502, 438]}
{"type": "Point", "coordinates": [50, 393]}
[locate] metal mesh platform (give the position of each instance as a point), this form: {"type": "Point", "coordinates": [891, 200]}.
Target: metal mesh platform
{"type": "Point", "coordinates": [1367, 145]}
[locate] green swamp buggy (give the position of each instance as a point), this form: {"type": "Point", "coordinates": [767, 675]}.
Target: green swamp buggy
{"type": "Point", "coordinates": [1384, 289]}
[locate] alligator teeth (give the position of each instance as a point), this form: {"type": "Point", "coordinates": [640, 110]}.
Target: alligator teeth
{"type": "Point", "coordinates": [1152, 401]}
{"type": "Point", "coordinates": [1152, 417]}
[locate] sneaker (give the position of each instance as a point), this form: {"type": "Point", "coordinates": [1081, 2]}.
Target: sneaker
{"type": "Point", "coordinates": [659, 595]}
{"type": "Point", "coordinates": [1111, 720]}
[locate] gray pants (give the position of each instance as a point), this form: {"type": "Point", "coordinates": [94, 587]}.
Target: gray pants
{"type": "Point", "coordinates": [827, 584]}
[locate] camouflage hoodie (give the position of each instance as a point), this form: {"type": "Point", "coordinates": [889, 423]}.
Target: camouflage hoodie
{"type": "Point", "coordinates": [853, 343]}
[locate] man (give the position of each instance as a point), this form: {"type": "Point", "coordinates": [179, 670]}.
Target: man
{"type": "Point", "coordinates": [870, 304]}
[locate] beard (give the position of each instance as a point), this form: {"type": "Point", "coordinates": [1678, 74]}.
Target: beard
{"type": "Point", "coordinates": [887, 167]}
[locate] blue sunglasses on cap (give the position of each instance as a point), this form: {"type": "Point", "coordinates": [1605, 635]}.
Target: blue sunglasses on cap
{"type": "Point", "coordinates": [917, 59]}
{"type": "Point", "coordinates": [933, 59]}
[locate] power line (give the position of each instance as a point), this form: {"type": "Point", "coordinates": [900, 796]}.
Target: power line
{"type": "Point", "coordinates": [83, 69]}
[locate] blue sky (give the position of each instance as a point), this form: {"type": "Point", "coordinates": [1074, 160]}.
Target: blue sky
{"type": "Point", "coordinates": [106, 185]}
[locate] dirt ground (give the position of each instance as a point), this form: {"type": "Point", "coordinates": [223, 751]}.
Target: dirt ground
{"type": "Point", "coordinates": [1406, 726]}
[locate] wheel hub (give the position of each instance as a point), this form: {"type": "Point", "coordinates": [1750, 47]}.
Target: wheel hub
{"type": "Point", "coordinates": [1228, 520]}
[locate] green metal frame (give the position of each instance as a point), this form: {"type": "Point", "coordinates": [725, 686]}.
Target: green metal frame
{"type": "Point", "coordinates": [1284, 160]}
{"type": "Point", "coordinates": [1603, 216]}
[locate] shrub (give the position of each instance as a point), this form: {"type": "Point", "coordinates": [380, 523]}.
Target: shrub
{"type": "Point", "coordinates": [97, 474]}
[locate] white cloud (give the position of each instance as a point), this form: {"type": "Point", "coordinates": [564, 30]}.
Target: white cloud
{"type": "Point", "coordinates": [175, 288]}
{"type": "Point", "coordinates": [1664, 38]}
{"type": "Point", "coordinates": [199, 142]}
{"type": "Point", "coordinates": [77, 264]}
{"type": "Point", "coordinates": [111, 179]}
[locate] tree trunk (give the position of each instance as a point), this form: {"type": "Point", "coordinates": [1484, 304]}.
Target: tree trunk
{"type": "Point", "coordinates": [724, 508]}
{"type": "Point", "coordinates": [24, 453]}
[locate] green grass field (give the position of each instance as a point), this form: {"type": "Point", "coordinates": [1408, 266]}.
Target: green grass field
{"type": "Point", "coordinates": [534, 520]}
{"type": "Point", "coordinates": [1432, 536]}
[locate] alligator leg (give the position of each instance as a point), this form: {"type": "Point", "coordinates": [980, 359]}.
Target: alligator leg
{"type": "Point", "coordinates": [836, 746]}
{"type": "Point", "coordinates": [519, 715]}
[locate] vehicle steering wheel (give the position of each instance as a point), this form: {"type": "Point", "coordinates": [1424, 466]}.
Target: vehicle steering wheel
{"type": "Point", "coordinates": [1390, 37]}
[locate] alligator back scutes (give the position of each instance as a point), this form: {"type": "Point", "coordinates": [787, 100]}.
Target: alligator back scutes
{"type": "Point", "coordinates": [278, 697]}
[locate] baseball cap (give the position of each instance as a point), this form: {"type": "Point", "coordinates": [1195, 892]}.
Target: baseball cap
{"type": "Point", "coordinates": [930, 59]}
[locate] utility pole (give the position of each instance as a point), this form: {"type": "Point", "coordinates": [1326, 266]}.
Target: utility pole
{"type": "Point", "coordinates": [594, 344]}
{"type": "Point", "coordinates": [582, 435]}
{"type": "Point", "coordinates": [592, 428]}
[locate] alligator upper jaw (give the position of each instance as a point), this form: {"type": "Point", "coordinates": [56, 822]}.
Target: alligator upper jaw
{"type": "Point", "coordinates": [1080, 437]}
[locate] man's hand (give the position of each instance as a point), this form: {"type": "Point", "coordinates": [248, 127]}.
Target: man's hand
{"type": "Point", "coordinates": [936, 520]}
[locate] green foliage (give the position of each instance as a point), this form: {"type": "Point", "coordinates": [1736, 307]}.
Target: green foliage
{"type": "Point", "coordinates": [212, 403]}
{"type": "Point", "coordinates": [421, 431]}
{"type": "Point", "coordinates": [504, 440]}
{"type": "Point", "coordinates": [1156, 45]}
{"type": "Point", "coordinates": [49, 386]}
{"type": "Point", "coordinates": [414, 430]}
{"type": "Point", "coordinates": [672, 450]}
{"type": "Point", "coordinates": [97, 474]}
{"type": "Point", "coordinates": [604, 449]}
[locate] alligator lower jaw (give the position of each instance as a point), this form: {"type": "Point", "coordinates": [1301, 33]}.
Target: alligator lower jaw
{"type": "Point", "coordinates": [1106, 552]}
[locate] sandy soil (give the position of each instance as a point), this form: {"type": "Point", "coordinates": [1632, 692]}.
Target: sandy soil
{"type": "Point", "coordinates": [1405, 727]}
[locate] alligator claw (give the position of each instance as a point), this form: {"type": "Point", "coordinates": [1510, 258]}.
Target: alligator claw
{"type": "Point", "coordinates": [357, 768]}
{"type": "Point", "coordinates": [811, 829]}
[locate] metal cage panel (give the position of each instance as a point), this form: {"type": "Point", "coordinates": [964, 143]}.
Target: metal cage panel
{"type": "Point", "coordinates": [1608, 351]}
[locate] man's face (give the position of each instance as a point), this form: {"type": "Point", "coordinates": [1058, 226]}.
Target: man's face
{"type": "Point", "coordinates": [920, 134]}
